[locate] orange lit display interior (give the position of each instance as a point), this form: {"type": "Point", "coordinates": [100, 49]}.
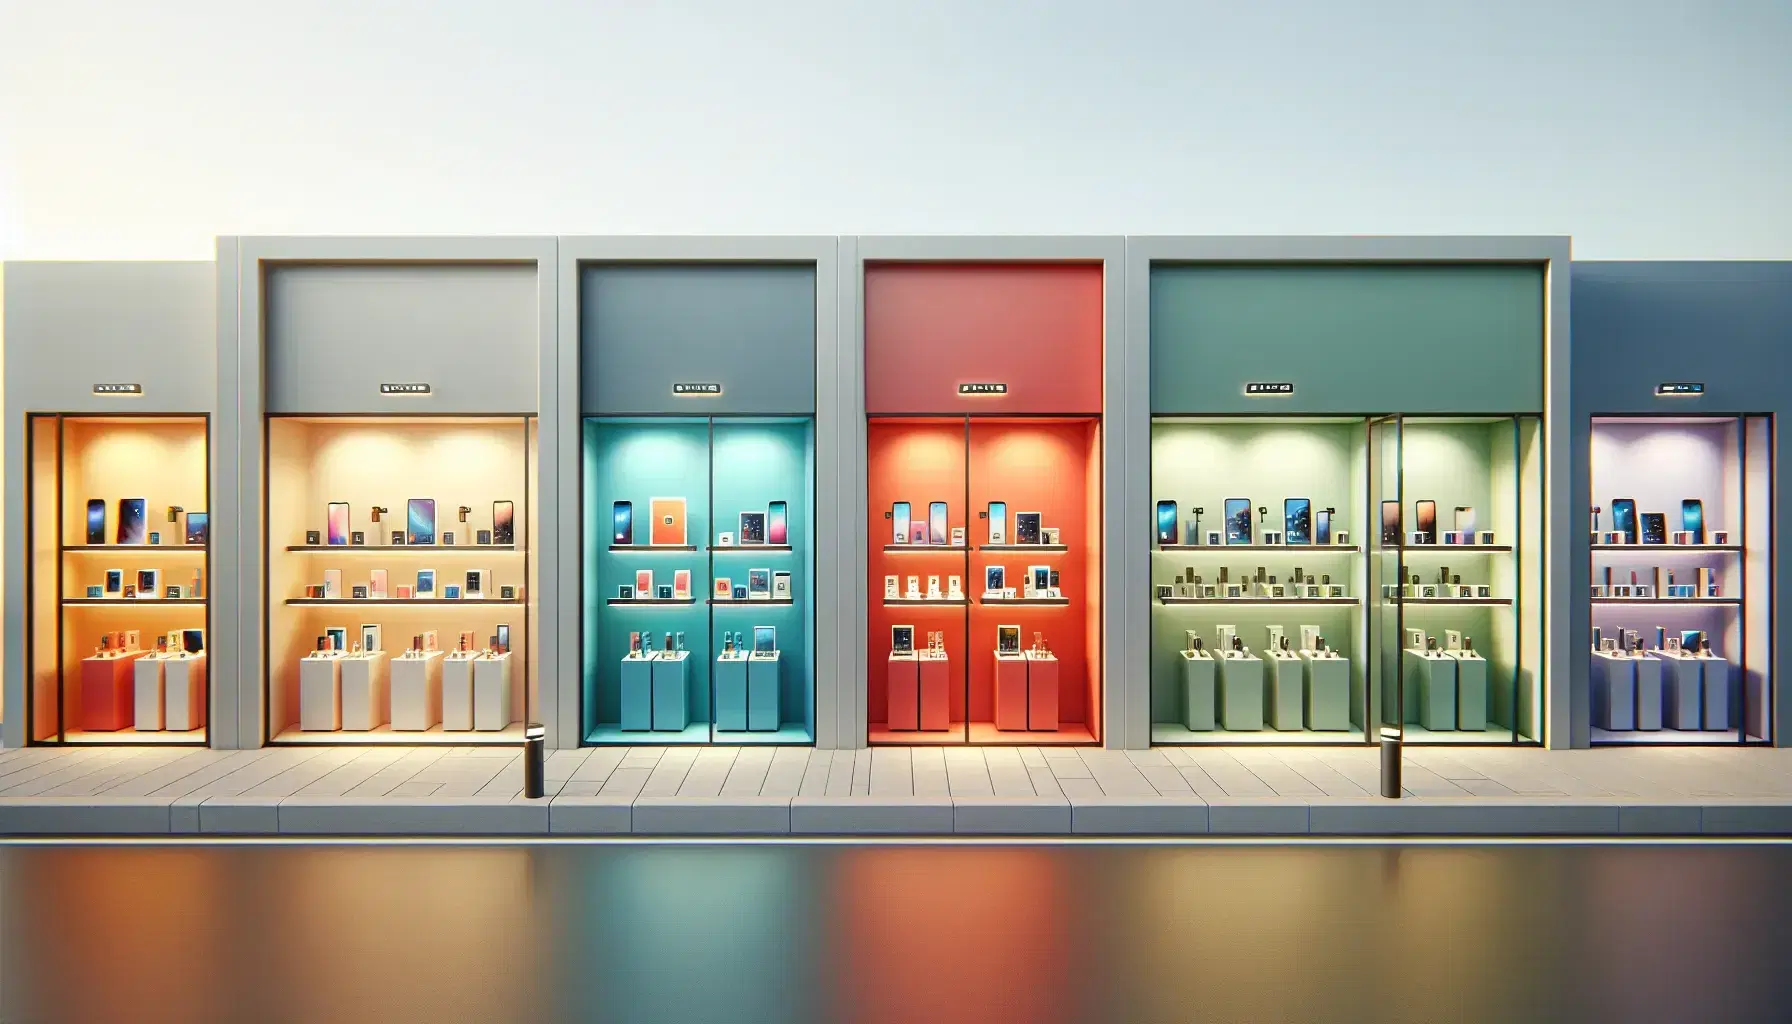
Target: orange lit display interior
{"type": "Point", "coordinates": [1048, 465]}
{"type": "Point", "coordinates": [78, 694]}
{"type": "Point", "coordinates": [366, 461]}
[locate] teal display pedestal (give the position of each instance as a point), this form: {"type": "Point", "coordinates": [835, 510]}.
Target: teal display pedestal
{"type": "Point", "coordinates": [1282, 690]}
{"type": "Point", "coordinates": [1198, 691]}
{"type": "Point", "coordinates": [1648, 694]}
{"type": "Point", "coordinates": [1326, 682]}
{"type": "Point", "coordinates": [731, 693]}
{"type": "Point", "coordinates": [1471, 691]}
{"type": "Point", "coordinates": [1241, 693]}
{"type": "Point", "coordinates": [1682, 680]}
{"type": "Point", "coordinates": [762, 692]}
{"type": "Point", "coordinates": [1716, 678]}
{"type": "Point", "coordinates": [1615, 691]}
{"type": "Point", "coordinates": [671, 704]}
{"type": "Point", "coordinates": [1432, 677]}
{"type": "Point", "coordinates": [637, 694]}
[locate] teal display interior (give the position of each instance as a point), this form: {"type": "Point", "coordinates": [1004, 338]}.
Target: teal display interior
{"type": "Point", "coordinates": [1199, 462]}
{"type": "Point", "coordinates": [721, 466]}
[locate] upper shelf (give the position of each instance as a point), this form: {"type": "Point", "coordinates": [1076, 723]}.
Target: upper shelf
{"type": "Point", "coordinates": [1299, 549]}
{"type": "Point", "coordinates": [415, 549]}
{"type": "Point", "coordinates": [1445, 549]}
{"type": "Point", "coordinates": [157, 549]}
{"type": "Point", "coordinates": [1668, 548]}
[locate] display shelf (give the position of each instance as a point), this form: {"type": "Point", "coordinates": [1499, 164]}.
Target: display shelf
{"type": "Point", "coordinates": [1447, 549]}
{"type": "Point", "coordinates": [415, 549]}
{"type": "Point", "coordinates": [1672, 602]}
{"type": "Point", "coordinates": [1067, 734]}
{"type": "Point", "coordinates": [1025, 548]}
{"type": "Point", "coordinates": [385, 735]}
{"type": "Point", "coordinates": [1022, 602]}
{"type": "Point", "coordinates": [1454, 600]}
{"type": "Point", "coordinates": [130, 736]}
{"type": "Point", "coordinates": [1276, 602]}
{"type": "Point", "coordinates": [653, 600]}
{"type": "Point", "coordinates": [1170, 732]}
{"type": "Point", "coordinates": [644, 549]}
{"type": "Point", "coordinates": [400, 601]}
{"type": "Point", "coordinates": [1299, 549]}
{"type": "Point", "coordinates": [941, 601]}
{"type": "Point", "coordinates": [748, 549]}
{"type": "Point", "coordinates": [133, 602]}
{"type": "Point", "coordinates": [1670, 549]}
{"type": "Point", "coordinates": [612, 734]}
{"type": "Point", "coordinates": [137, 549]}
{"type": "Point", "coordinates": [746, 601]}
{"type": "Point", "coordinates": [914, 549]}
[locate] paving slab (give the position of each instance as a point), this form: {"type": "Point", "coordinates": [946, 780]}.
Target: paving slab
{"type": "Point", "coordinates": [348, 816]}
{"type": "Point", "coordinates": [84, 815]}
{"type": "Point", "coordinates": [888, 815]}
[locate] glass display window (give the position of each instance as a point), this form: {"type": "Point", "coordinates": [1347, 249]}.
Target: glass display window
{"type": "Point", "coordinates": [400, 588]}
{"type": "Point", "coordinates": [118, 573]}
{"type": "Point", "coordinates": [1681, 542]}
{"type": "Point", "coordinates": [698, 570]}
{"type": "Point", "coordinates": [985, 579]}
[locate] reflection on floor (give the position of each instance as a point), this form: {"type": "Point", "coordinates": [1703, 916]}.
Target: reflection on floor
{"type": "Point", "coordinates": [1668, 736]}
{"type": "Point", "coordinates": [385, 735]}
{"type": "Point", "coordinates": [697, 732]}
{"type": "Point", "coordinates": [982, 734]}
{"type": "Point", "coordinates": [1491, 734]}
{"type": "Point", "coordinates": [1169, 732]}
{"type": "Point", "coordinates": [133, 736]}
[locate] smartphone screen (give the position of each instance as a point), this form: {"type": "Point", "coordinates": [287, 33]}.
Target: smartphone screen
{"type": "Point", "coordinates": [1166, 522]}
{"type": "Point", "coordinates": [1655, 528]}
{"type": "Point", "coordinates": [1238, 520]}
{"type": "Point", "coordinates": [1322, 527]}
{"type": "Point", "coordinates": [1692, 518]}
{"type": "Point", "coordinates": [998, 522]}
{"type": "Point", "coordinates": [622, 529]}
{"type": "Point", "coordinates": [96, 520]}
{"type": "Point", "coordinates": [1624, 518]}
{"type": "Point", "coordinates": [420, 521]}
{"type": "Point", "coordinates": [1297, 518]}
{"type": "Point", "coordinates": [337, 523]}
{"type": "Point", "coordinates": [199, 528]}
{"type": "Point", "coordinates": [114, 581]}
{"type": "Point", "coordinates": [765, 639]}
{"type": "Point", "coordinates": [1426, 511]}
{"type": "Point", "coordinates": [1465, 522]}
{"type": "Point", "coordinates": [936, 522]}
{"type": "Point", "coordinates": [133, 521]}
{"type": "Point", "coordinates": [504, 522]}
{"type": "Point", "coordinates": [899, 512]}
{"type": "Point", "coordinates": [1390, 523]}
{"type": "Point", "coordinates": [503, 637]}
{"type": "Point", "coordinates": [777, 523]}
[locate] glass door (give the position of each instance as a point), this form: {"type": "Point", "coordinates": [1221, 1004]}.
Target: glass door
{"type": "Point", "coordinates": [1386, 576]}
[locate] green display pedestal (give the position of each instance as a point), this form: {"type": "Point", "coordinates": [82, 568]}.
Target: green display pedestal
{"type": "Point", "coordinates": [1241, 693]}
{"type": "Point", "coordinates": [730, 676]}
{"type": "Point", "coordinates": [1716, 678]}
{"type": "Point", "coordinates": [671, 705]}
{"type": "Point", "coordinates": [1615, 691]}
{"type": "Point", "coordinates": [637, 694]}
{"type": "Point", "coordinates": [1325, 683]}
{"type": "Point", "coordinates": [762, 692]}
{"type": "Point", "coordinates": [1471, 691]}
{"type": "Point", "coordinates": [1648, 694]}
{"type": "Point", "coordinates": [1198, 691]}
{"type": "Point", "coordinates": [1431, 678]}
{"type": "Point", "coordinates": [1282, 690]}
{"type": "Point", "coordinates": [1682, 681]}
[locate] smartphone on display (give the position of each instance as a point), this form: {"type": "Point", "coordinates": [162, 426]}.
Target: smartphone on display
{"type": "Point", "coordinates": [1322, 527]}
{"type": "Point", "coordinates": [503, 637]}
{"type": "Point", "coordinates": [1238, 520]}
{"type": "Point", "coordinates": [902, 639]}
{"type": "Point", "coordinates": [899, 513]}
{"type": "Point", "coordinates": [1692, 518]}
{"type": "Point", "coordinates": [426, 582]}
{"type": "Point", "coordinates": [199, 528]}
{"type": "Point", "coordinates": [1166, 523]}
{"type": "Point", "coordinates": [777, 523]}
{"type": "Point", "coordinates": [936, 522]}
{"type": "Point", "coordinates": [622, 523]}
{"type": "Point", "coordinates": [1426, 512]}
{"type": "Point", "coordinates": [420, 521]}
{"type": "Point", "coordinates": [668, 526]}
{"type": "Point", "coordinates": [1624, 518]}
{"type": "Point", "coordinates": [336, 523]}
{"type": "Point", "coordinates": [1655, 527]}
{"type": "Point", "coordinates": [998, 522]}
{"type": "Point", "coordinates": [993, 578]}
{"type": "Point", "coordinates": [114, 581]}
{"type": "Point", "coordinates": [504, 522]}
{"type": "Point", "coordinates": [765, 639]}
{"type": "Point", "coordinates": [96, 520]}
{"type": "Point", "coordinates": [192, 640]}
{"type": "Point", "coordinates": [1297, 520]}
{"type": "Point", "coordinates": [1390, 524]}
{"type": "Point", "coordinates": [1465, 522]}
{"type": "Point", "coordinates": [133, 520]}
{"type": "Point", "coordinates": [1026, 527]}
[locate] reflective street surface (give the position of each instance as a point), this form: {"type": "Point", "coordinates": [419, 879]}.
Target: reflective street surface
{"type": "Point", "coordinates": [895, 933]}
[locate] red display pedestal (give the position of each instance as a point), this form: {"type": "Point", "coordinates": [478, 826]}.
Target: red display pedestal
{"type": "Point", "coordinates": [1011, 692]}
{"type": "Point", "coordinates": [936, 694]}
{"type": "Point", "coordinates": [108, 692]}
{"type": "Point", "coordinates": [905, 693]}
{"type": "Point", "coordinates": [1042, 693]}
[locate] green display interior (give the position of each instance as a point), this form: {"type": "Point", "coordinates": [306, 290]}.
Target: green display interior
{"type": "Point", "coordinates": [721, 467]}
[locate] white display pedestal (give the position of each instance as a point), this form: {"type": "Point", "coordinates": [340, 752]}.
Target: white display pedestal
{"type": "Point", "coordinates": [1614, 694]}
{"type": "Point", "coordinates": [1282, 691]}
{"type": "Point", "coordinates": [417, 691]}
{"type": "Point", "coordinates": [1326, 687]}
{"type": "Point", "coordinates": [1199, 706]}
{"type": "Point", "coordinates": [491, 692]}
{"type": "Point", "coordinates": [320, 693]}
{"type": "Point", "coordinates": [147, 689]}
{"type": "Point", "coordinates": [365, 679]}
{"type": "Point", "coordinates": [1471, 691]}
{"type": "Point", "coordinates": [457, 692]}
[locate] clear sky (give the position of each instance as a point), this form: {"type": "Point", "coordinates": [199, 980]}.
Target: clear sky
{"type": "Point", "coordinates": [1645, 129]}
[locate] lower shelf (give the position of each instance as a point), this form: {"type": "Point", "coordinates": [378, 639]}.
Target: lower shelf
{"type": "Point", "coordinates": [158, 736]}
{"type": "Point", "coordinates": [1173, 734]}
{"type": "Point", "coordinates": [698, 733]}
{"type": "Point", "coordinates": [1667, 737]}
{"type": "Point", "coordinates": [983, 734]}
{"type": "Point", "coordinates": [511, 734]}
{"type": "Point", "coordinates": [1491, 734]}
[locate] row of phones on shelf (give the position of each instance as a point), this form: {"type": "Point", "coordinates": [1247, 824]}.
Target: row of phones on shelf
{"type": "Point", "coordinates": [668, 526]}
{"type": "Point", "coordinates": [133, 522]}
{"type": "Point", "coordinates": [1301, 523]}
{"type": "Point", "coordinates": [1654, 525]}
{"type": "Point", "coordinates": [419, 521]}
{"type": "Point", "coordinates": [905, 530]}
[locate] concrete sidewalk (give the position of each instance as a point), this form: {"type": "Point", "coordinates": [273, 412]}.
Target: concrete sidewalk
{"type": "Point", "coordinates": [921, 791]}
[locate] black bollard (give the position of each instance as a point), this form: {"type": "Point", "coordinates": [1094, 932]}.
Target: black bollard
{"type": "Point", "coordinates": [1390, 762]}
{"type": "Point", "coordinates": [534, 756]}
